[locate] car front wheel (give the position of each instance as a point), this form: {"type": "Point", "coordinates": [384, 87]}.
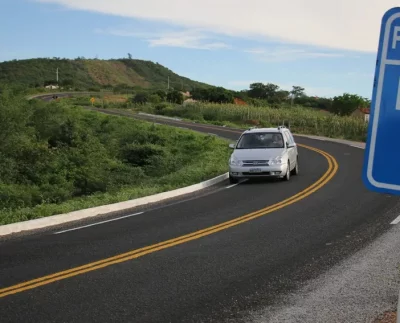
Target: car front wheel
{"type": "Point", "coordinates": [295, 170]}
{"type": "Point", "coordinates": [233, 180]}
{"type": "Point", "coordinates": [287, 175]}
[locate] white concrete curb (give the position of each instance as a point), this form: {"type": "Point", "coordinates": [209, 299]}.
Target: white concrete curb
{"type": "Point", "coordinates": [356, 144]}
{"type": "Point", "coordinates": [155, 116]}
{"type": "Point", "coordinates": [104, 209]}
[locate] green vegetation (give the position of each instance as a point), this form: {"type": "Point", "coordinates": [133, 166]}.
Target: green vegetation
{"type": "Point", "coordinates": [92, 74]}
{"type": "Point", "coordinates": [346, 104]}
{"type": "Point", "coordinates": [174, 97]}
{"type": "Point", "coordinates": [301, 120]}
{"type": "Point", "coordinates": [270, 95]}
{"type": "Point", "coordinates": [215, 95]}
{"type": "Point", "coordinates": [308, 118]}
{"type": "Point", "coordinates": [147, 81]}
{"type": "Point", "coordinates": [55, 158]}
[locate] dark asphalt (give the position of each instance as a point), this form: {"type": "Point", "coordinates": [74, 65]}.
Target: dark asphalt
{"type": "Point", "coordinates": [215, 278]}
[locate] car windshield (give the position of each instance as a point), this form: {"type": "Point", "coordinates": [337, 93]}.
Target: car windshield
{"type": "Point", "coordinates": [260, 140]}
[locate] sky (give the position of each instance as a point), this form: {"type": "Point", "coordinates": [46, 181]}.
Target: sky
{"type": "Point", "coordinates": [326, 47]}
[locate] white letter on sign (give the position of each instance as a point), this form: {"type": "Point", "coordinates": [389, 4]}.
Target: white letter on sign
{"type": "Point", "coordinates": [396, 36]}
{"type": "Point", "coordinates": [398, 97]}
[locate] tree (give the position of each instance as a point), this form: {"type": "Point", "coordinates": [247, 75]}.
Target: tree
{"type": "Point", "coordinates": [175, 97]}
{"type": "Point", "coordinates": [257, 91]}
{"type": "Point", "coordinates": [267, 92]}
{"type": "Point", "coordinates": [129, 56]}
{"type": "Point", "coordinates": [162, 94]}
{"type": "Point", "coordinates": [297, 91]}
{"type": "Point", "coordinates": [216, 94]}
{"type": "Point", "coordinates": [67, 82]}
{"type": "Point", "coordinates": [141, 97]}
{"type": "Point", "coordinates": [199, 94]}
{"type": "Point", "coordinates": [219, 95]}
{"type": "Point", "coordinates": [346, 104]}
{"type": "Point", "coordinates": [49, 82]}
{"type": "Point", "coordinates": [281, 96]}
{"type": "Point", "coordinates": [154, 98]}
{"type": "Point", "coordinates": [270, 91]}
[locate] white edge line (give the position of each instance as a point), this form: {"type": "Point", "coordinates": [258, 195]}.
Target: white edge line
{"type": "Point", "coordinates": [396, 221]}
{"type": "Point", "coordinates": [97, 223]}
{"type": "Point", "coordinates": [233, 185]}
{"type": "Point", "coordinates": [230, 186]}
{"type": "Point", "coordinates": [105, 209]}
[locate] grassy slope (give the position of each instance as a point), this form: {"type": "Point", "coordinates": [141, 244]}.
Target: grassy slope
{"type": "Point", "coordinates": [34, 72]}
{"type": "Point", "coordinates": [38, 181]}
{"type": "Point", "coordinates": [113, 73]}
{"type": "Point", "coordinates": [87, 73]}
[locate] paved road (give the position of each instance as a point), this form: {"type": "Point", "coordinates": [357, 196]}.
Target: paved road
{"type": "Point", "coordinates": [210, 273]}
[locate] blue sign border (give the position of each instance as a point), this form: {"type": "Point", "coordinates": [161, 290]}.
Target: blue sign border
{"type": "Point", "coordinates": [376, 100]}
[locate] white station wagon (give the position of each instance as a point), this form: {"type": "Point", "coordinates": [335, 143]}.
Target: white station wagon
{"type": "Point", "coordinates": [264, 152]}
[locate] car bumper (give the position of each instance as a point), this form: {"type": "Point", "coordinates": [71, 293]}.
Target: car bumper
{"type": "Point", "coordinates": [265, 171]}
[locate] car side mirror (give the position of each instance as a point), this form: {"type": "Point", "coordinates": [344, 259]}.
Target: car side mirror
{"type": "Point", "coordinates": [232, 146]}
{"type": "Point", "coordinates": [289, 145]}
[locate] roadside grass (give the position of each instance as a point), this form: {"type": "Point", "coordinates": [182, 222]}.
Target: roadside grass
{"type": "Point", "coordinates": [300, 120]}
{"type": "Point", "coordinates": [106, 101]}
{"type": "Point", "coordinates": [212, 165]}
{"type": "Point", "coordinates": [119, 159]}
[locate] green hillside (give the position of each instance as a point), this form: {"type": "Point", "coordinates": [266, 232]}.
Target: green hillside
{"type": "Point", "coordinates": [86, 74]}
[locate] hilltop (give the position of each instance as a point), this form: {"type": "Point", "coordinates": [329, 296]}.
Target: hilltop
{"type": "Point", "coordinates": [92, 74]}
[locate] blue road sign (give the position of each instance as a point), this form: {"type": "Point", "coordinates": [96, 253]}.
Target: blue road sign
{"type": "Point", "coordinates": [381, 172]}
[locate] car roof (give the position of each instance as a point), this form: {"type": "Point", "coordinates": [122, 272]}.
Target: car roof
{"type": "Point", "coordinates": [256, 130]}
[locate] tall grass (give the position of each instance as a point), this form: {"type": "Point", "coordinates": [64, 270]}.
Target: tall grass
{"type": "Point", "coordinates": [301, 120]}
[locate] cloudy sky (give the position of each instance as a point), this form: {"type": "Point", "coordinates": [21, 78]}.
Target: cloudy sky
{"type": "Point", "coordinates": [328, 47]}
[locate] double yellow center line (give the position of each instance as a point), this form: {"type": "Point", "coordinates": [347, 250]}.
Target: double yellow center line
{"type": "Point", "coordinates": [31, 284]}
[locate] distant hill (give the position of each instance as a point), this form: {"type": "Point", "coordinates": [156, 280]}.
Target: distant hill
{"type": "Point", "coordinates": [87, 74]}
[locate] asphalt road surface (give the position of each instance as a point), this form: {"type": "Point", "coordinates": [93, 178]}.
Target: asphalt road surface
{"type": "Point", "coordinates": [207, 257]}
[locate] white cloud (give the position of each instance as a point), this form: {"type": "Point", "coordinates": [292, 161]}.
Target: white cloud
{"type": "Point", "coordinates": [191, 38]}
{"type": "Point", "coordinates": [340, 24]}
{"type": "Point", "coordinates": [289, 54]}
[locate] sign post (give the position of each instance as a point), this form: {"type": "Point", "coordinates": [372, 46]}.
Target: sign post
{"type": "Point", "coordinates": [381, 171]}
{"type": "Point", "coordinates": [92, 100]}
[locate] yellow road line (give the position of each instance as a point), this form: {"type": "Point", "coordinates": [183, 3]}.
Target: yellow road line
{"type": "Point", "coordinates": [328, 175]}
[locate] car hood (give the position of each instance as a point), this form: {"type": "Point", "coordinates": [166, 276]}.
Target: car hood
{"type": "Point", "coordinates": [258, 154]}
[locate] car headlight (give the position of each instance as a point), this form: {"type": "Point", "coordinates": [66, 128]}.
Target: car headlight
{"type": "Point", "coordinates": [276, 161]}
{"type": "Point", "coordinates": [233, 161]}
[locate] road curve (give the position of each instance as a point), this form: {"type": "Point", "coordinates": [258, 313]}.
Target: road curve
{"type": "Point", "coordinates": [207, 257]}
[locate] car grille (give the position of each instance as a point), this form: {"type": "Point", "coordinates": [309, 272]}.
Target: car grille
{"type": "Point", "coordinates": [253, 163]}
{"type": "Point", "coordinates": [260, 174]}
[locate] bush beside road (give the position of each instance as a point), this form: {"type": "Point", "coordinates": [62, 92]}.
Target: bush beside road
{"type": "Point", "coordinates": [55, 158]}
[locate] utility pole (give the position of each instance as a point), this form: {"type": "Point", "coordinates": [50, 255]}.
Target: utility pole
{"type": "Point", "coordinates": [57, 75]}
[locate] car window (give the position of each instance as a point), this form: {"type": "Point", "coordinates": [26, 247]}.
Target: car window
{"type": "Point", "coordinates": [260, 140]}
{"type": "Point", "coordinates": [291, 137]}
{"type": "Point", "coordinates": [287, 137]}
